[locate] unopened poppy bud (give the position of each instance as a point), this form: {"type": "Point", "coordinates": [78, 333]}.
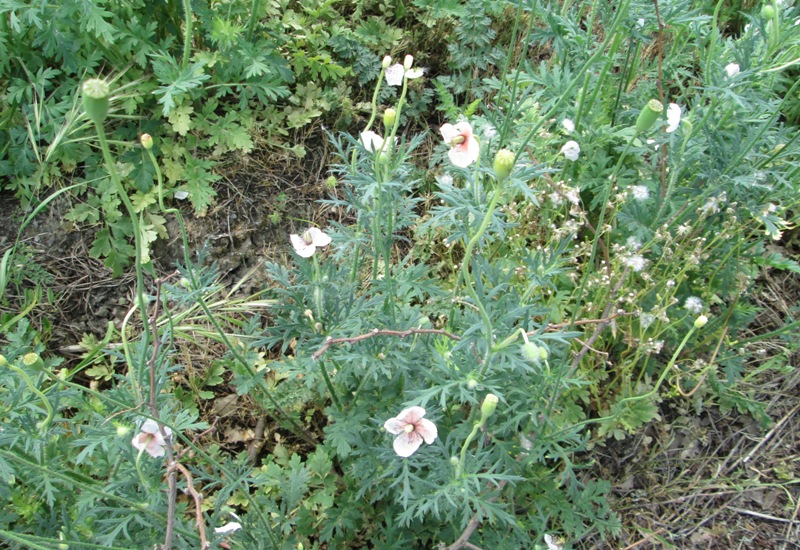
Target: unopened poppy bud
{"type": "Point", "coordinates": [531, 352]}
{"type": "Point", "coordinates": [32, 360]}
{"type": "Point", "coordinates": [472, 383]}
{"type": "Point", "coordinates": [123, 430]}
{"type": "Point", "coordinates": [649, 115]}
{"type": "Point", "coordinates": [768, 12]}
{"type": "Point", "coordinates": [389, 116]}
{"type": "Point", "coordinates": [503, 163]}
{"type": "Point", "coordinates": [3, 361]}
{"type": "Point", "coordinates": [488, 406]}
{"type": "Point", "coordinates": [318, 327]}
{"type": "Point", "coordinates": [408, 62]}
{"type": "Point", "coordinates": [700, 322]}
{"type": "Point", "coordinates": [146, 141]}
{"type": "Point", "coordinates": [386, 62]}
{"type": "Point", "coordinates": [425, 322]}
{"type": "Point", "coordinates": [95, 99]}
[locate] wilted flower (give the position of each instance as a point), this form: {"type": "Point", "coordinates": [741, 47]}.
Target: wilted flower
{"type": "Point", "coordinates": [464, 148]}
{"type": "Point", "coordinates": [693, 304]}
{"type": "Point", "coordinates": [640, 192]}
{"type": "Point", "coordinates": [306, 245]}
{"type": "Point", "coordinates": [732, 69]}
{"type": "Point", "coordinates": [673, 117]}
{"type": "Point", "coordinates": [571, 150]}
{"type": "Point", "coordinates": [411, 430]}
{"type": "Point", "coordinates": [568, 125]}
{"type": "Point", "coordinates": [151, 439]}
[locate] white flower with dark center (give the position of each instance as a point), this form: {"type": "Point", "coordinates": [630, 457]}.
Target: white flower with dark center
{"type": "Point", "coordinates": [411, 430]}
{"type": "Point", "coordinates": [640, 192]}
{"type": "Point", "coordinates": [571, 150]}
{"type": "Point", "coordinates": [693, 304]}
{"type": "Point", "coordinates": [307, 244]}
{"type": "Point", "coordinates": [673, 117]}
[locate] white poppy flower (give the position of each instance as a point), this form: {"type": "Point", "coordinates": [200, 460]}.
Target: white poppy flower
{"type": "Point", "coordinates": [571, 150]}
{"type": "Point", "coordinates": [464, 148]}
{"type": "Point", "coordinates": [411, 430]}
{"type": "Point", "coordinates": [151, 439]}
{"type": "Point", "coordinates": [306, 245]}
{"type": "Point", "coordinates": [673, 117]}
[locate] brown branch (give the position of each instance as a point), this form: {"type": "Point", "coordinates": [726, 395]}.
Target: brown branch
{"type": "Point", "coordinates": [380, 332]}
{"type": "Point", "coordinates": [198, 501]}
{"type": "Point", "coordinates": [661, 95]}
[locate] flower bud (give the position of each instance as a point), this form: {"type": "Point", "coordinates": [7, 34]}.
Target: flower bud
{"type": "Point", "coordinates": [3, 361]}
{"type": "Point", "coordinates": [95, 99]}
{"type": "Point", "coordinates": [471, 383]}
{"type": "Point", "coordinates": [503, 163]}
{"type": "Point", "coordinates": [649, 115]}
{"type": "Point", "coordinates": [408, 62]}
{"type": "Point", "coordinates": [318, 327]}
{"type": "Point", "coordinates": [32, 360]}
{"type": "Point", "coordinates": [700, 322]}
{"type": "Point", "coordinates": [768, 12]}
{"type": "Point", "coordinates": [454, 460]}
{"type": "Point", "coordinates": [389, 116]}
{"type": "Point", "coordinates": [146, 141]}
{"type": "Point", "coordinates": [123, 430]}
{"type": "Point", "coordinates": [386, 62]}
{"type": "Point", "coordinates": [531, 352]}
{"type": "Point", "coordinates": [488, 406]}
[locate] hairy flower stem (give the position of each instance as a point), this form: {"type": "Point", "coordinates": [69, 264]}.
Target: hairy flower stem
{"type": "Point", "coordinates": [255, 8]}
{"type": "Point", "coordinates": [141, 303]}
{"type": "Point", "coordinates": [187, 37]}
{"type": "Point", "coordinates": [469, 284]}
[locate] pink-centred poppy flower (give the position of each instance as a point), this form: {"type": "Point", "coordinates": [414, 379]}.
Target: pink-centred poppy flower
{"type": "Point", "coordinates": [411, 430]}
{"type": "Point", "coordinates": [464, 148]}
{"type": "Point", "coordinates": [307, 244]}
{"type": "Point", "coordinates": [150, 438]}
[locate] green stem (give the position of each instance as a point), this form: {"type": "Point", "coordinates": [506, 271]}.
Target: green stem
{"type": "Point", "coordinates": [463, 456]}
{"type": "Point", "coordinates": [187, 37]}
{"type": "Point", "coordinates": [469, 283]}
{"type": "Point", "coordinates": [255, 8]}
{"type": "Point", "coordinates": [137, 238]}
{"type": "Point", "coordinates": [328, 383]}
